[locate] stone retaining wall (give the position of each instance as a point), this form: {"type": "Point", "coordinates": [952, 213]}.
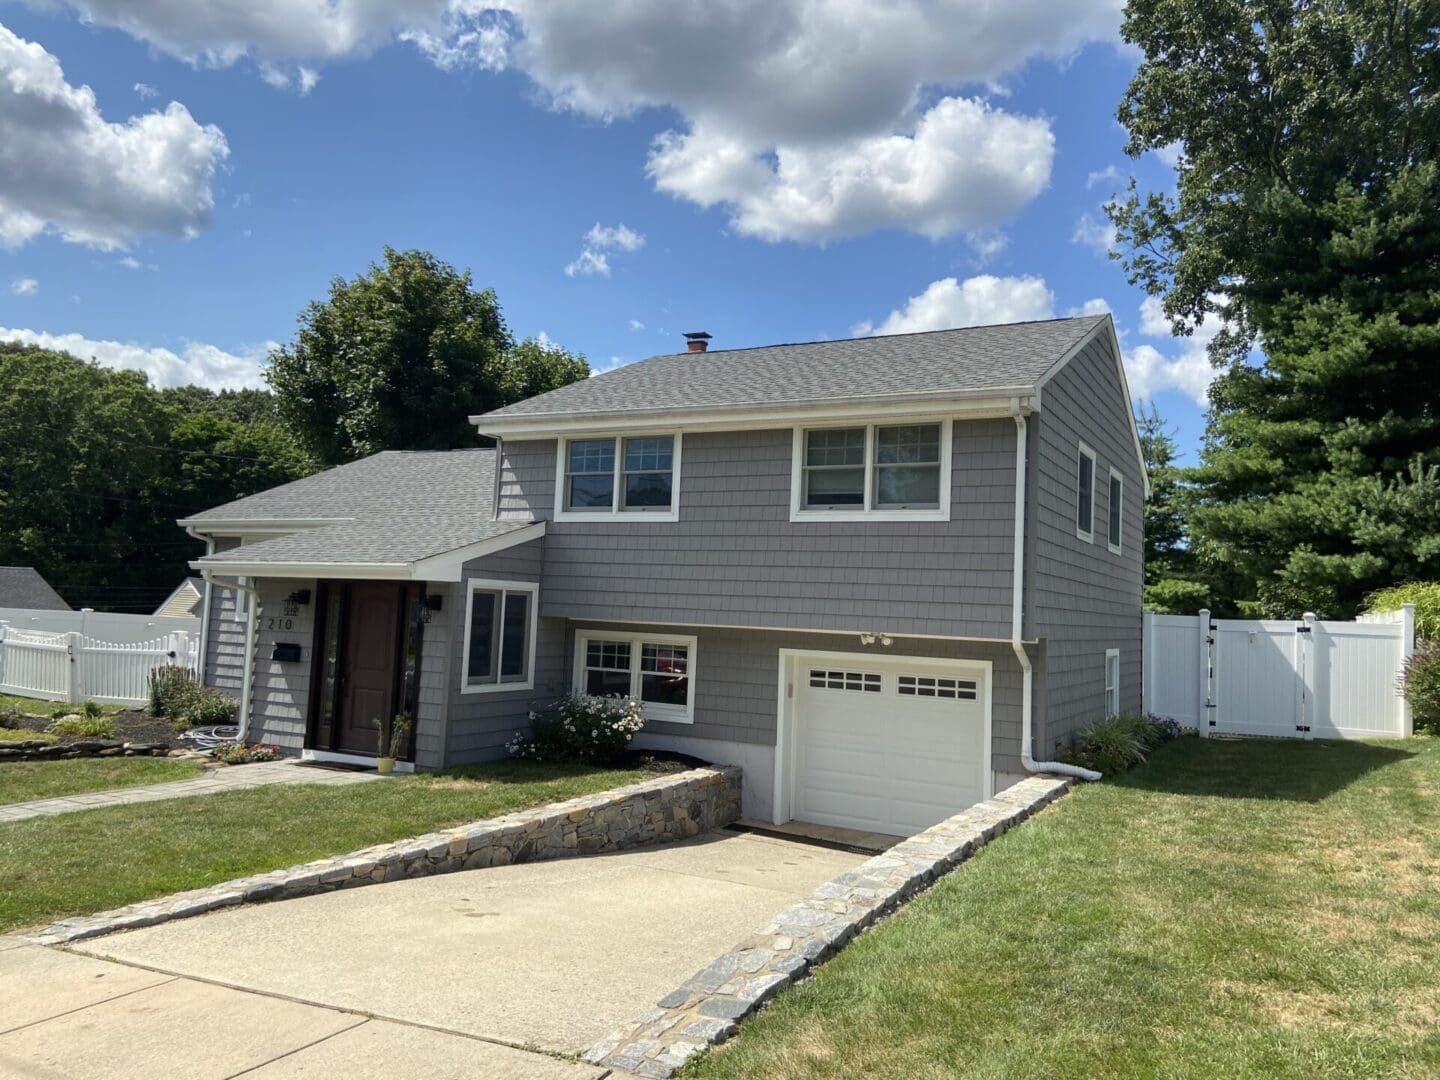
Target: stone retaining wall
{"type": "Point", "coordinates": [672, 807]}
{"type": "Point", "coordinates": [704, 1010]}
{"type": "Point", "coordinates": [40, 750]}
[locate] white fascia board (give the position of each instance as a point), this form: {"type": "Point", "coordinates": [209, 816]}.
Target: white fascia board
{"type": "Point", "coordinates": [227, 526]}
{"type": "Point", "coordinates": [445, 566]}
{"type": "Point", "coordinates": [960, 404]}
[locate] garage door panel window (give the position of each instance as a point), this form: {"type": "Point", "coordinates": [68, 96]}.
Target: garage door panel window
{"type": "Point", "coordinates": [499, 636]}
{"type": "Point", "coordinates": [656, 671]}
{"type": "Point", "coordinates": [934, 686]}
{"type": "Point", "coordinates": [861, 681]}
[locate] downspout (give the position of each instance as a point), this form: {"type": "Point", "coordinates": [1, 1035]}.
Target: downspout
{"type": "Point", "coordinates": [204, 652]}
{"type": "Point", "coordinates": [1017, 617]}
{"type": "Point", "coordinates": [252, 615]}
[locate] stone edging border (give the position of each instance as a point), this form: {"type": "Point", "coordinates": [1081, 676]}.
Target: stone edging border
{"type": "Point", "coordinates": [704, 1010]}
{"type": "Point", "coordinates": [672, 807]}
{"type": "Point", "coordinates": [41, 750]}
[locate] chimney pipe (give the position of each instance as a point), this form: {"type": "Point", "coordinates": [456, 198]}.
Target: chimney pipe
{"type": "Point", "coordinates": [697, 341]}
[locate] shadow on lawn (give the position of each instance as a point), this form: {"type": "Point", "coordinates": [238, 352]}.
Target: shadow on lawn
{"type": "Point", "coordinates": [1260, 768]}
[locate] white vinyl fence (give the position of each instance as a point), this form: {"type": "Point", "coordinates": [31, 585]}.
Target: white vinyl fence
{"type": "Point", "coordinates": [75, 667]}
{"type": "Point", "coordinates": [1300, 679]}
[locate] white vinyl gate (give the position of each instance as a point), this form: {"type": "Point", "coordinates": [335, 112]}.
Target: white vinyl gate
{"type": "Point", "coordinates": [1299, 679]}
{"type": "Point", "coordinates": [74, 667]}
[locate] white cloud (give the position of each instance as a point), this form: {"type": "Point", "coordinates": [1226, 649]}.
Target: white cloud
{"type": "Point", "coordinates": [977, 301]}
{"type": "Point", "coordinates": [1171, 153]}
{"type": "Point", "coordinates": [64, 168]}
{"type": "Point", "coordinates": [145, 90]}
{"type": "Point", "coordinates": [1189, 371]}
{"type": "Point", "coordinates": [601, 239]}
{"type": "Point", "coordinates": [1110, 174]}
{"type": "Point", "coordinates": [129, 262]}
{"type": "Point", "coordinates": [964, 167]}
{"type": "Point", "coordinates": [1096, 234]}
{"type": "Point", "coordinates": [636, 325]}
{"type": "Point", "coordinates": [782, 103]}
{"type": "Point", "coordinates": [1097, 306]}
{"type": "Point", "coordinates": [197, 364]}
{"type": "Point", "coordinates": [25, 286]}
{"type": "Point", "coordinates": [987, 243]}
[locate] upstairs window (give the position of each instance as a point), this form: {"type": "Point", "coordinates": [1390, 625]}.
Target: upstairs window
{"type": "Point", "coordinates": [1085, 494]}
{"type": "Point", "coordinates": [1117, 504]}
{"type": "Point", "coordinates": [873, 470]}
{"type": "Point", "coordinates": [628, 475]}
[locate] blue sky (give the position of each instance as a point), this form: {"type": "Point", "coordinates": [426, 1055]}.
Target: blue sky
{"type": "Point", "coordinates": [956, 179]}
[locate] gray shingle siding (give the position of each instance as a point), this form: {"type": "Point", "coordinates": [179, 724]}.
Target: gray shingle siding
{"type": "Point", "coordinates": [1083, 599]}
{"type": "Point", "coordinates": [280, 694]}
{"type": "Point", "coordinates": [433, 696]}
{"type": "Point", "coordinates": [735, 558]}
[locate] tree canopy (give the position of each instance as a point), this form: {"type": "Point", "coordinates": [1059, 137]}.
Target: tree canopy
{"type": "Point", "coordinates": [400, 357]}
{"type": "Point", "coordinates": [1306, 215]}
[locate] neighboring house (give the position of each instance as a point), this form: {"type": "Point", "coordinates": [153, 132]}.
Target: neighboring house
{"type": "Point", "coordinates": [185, 600]}
{"type": "Point", "coordinates": [23, 587]}
{"type": "Point", "coordinates": [862, 570]}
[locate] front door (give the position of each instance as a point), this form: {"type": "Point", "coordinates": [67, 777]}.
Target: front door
{"type": "Point", "coordinates": [367, 681]}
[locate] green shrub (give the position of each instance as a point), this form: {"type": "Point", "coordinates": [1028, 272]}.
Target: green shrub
{"type": "Point", "coordinates": [171, 687]}
{"type": "Point", "coordinates": [240, 754]}
{"type": "Point", "coordinates": [10, 717]}
{"type": "Point", "coordinates": [208, 707]}
{"type": "Point", "coordinates": [1420, 683]}
{"type": "Point", "coordinates": [89, 727]}
{"type": "Point", "coordinates": [1120, 742]}
{"type": "Point", "coordinates": [580, 727]}
{"type": "Point", "coordinates": [90, 710]}
{"type": "Point", "coordinates": [1425, 595]}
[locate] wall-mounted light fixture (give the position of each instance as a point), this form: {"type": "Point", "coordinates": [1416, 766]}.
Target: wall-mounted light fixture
{"type": "Point", "coordinates": [299, 596]}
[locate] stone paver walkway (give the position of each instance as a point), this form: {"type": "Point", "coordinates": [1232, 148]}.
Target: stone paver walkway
{"type": "Point", "coordinates": [226, 778]}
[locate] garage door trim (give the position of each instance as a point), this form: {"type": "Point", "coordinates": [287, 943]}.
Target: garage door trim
{"type": "Point", "coordinates": [788, 683]}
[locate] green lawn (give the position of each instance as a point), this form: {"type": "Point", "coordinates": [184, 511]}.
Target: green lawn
{"type": "Point", "coordinates": [21, 781]}
{"type": "Point", "coordinates": [24, 735]}
{"type": "Point", "coordinates": [1233, 909]}
{"type": "Point", "coordinates": [99, 859]}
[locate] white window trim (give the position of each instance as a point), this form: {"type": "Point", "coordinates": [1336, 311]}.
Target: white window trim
{"type": "Point", "coordinates": [1112, 691]}
{"type": "Point", "coordinates": [1115, 542]}
{"type": "Point", "coordinates": [869, 512]}
{"type": "Point", "coordinates": [616, 511]}
{"type": "Point", "coordinates": [1088, 537]}
{"type": "Point", "coordinates": [665, 714]}
{"type": "Point", "coordinates": [475, 585]}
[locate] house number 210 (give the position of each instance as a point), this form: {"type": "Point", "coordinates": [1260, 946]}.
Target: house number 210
{"type": "Point", "coordinates": [279, 624]}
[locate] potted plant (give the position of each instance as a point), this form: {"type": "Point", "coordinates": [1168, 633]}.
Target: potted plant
{"type": "Point", "coordinates": [392, 742]}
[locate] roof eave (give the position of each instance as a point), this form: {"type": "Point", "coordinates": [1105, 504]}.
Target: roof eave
{"type": "Point", "coordinates": [989, 401]}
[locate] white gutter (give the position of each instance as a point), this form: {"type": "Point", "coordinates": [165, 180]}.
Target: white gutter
{"type": "Point", "coordinates": [1017, 614]}
{"type": "Point", "coordinates": [252, 614]}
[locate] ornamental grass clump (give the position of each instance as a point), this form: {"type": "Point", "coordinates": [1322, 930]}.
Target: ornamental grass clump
{"type": "Point", "coordinates": [1118, 743]}
{"type": "Point", "coordinates": [580, 728]}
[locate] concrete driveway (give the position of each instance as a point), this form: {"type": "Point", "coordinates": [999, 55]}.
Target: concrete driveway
{"type": "Point", "coordinates": [460, 974]}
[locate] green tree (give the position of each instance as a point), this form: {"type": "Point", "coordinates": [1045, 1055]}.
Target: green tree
{"type": "Point", "coordinates": [1172, 586]}
{"type": "Point", "coordinates": [1306, 216]}
{"type": "Point", "coordinates": [400, 357]}
{"type": "Point", "coordinates": [96, 465]}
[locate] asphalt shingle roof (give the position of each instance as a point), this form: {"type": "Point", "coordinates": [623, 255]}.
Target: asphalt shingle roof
{"type": "Point", "coordinates": [393, 507]}
{"type": "Point", "coordinates": [23, 587]}
{"type": "Point", "coordinates": [973, 358]}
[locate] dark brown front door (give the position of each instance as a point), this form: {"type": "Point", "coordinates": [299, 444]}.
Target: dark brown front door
{"type": "Point", "coordinates": [368, 670]}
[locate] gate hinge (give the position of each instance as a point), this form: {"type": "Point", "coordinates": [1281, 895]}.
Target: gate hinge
{"type": "Point", "coordinates": [1212, 723]}
{"type": "Point", "coordinates": [1302, 629]}
{"type": "Point", "coordinates": [1209, 641]}
{"type": "Point", "coordinates": [1302, 727]}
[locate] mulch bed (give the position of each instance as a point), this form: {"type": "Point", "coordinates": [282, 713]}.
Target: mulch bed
{"type": "Point", "coordinates": [660, 761]}
{"type": "Point", "coordinates": [128, 725]}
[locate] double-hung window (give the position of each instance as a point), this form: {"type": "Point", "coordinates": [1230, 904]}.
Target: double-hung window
{"type": "Point", "coordinates": [1117, 515]}
{"type": "Point", "coordinates": [658, 671]}
{"type": "Point", "coordinates": [1112, 682]}
{"type": "Point", "coordinates": [1085, 494]}
{"type": "Point", "coordinates": [872, 470]}
{"type": "Point", "coordinates": [626, 475]}
{"type": "Point", "coordinates": [499, 636]}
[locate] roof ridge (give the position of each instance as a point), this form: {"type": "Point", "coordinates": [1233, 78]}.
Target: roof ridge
{"type": "Point", "coordinates": [875, 337]}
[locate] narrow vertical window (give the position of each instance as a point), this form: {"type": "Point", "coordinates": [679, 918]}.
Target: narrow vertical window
{"type": "Point", "coordinates": [1112, 682]}
{"type": "Point", "coordinates": [1085, 494]}
{"type": "Point", "coordinates": [1117, 503]}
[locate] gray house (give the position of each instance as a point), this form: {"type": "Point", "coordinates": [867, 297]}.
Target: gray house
{"type": "Point", "coordinates": [882, 575]}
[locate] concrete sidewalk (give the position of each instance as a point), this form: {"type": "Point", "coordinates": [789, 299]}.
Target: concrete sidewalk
{"type": "Point", "coordinates": [220, 778]}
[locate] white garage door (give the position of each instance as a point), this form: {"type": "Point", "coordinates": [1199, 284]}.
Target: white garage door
{"type": "Point", "coordinates": [892, 748]}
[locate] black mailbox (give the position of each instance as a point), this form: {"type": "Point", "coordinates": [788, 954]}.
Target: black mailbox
{"type": "Point", "coordinates": [286, 652]}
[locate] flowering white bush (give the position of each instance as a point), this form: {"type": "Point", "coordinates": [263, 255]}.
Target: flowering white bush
{"type": "Point", "coordinates": [580, 727]}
